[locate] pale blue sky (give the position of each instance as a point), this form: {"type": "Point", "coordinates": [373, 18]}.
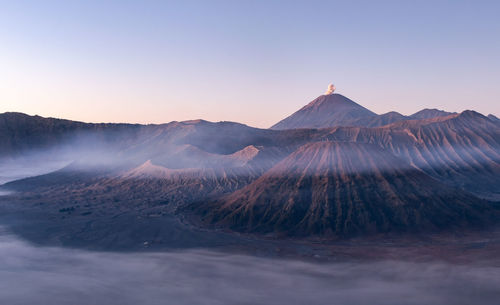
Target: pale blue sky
{"type": "Point", "coordinates": [249, 61]}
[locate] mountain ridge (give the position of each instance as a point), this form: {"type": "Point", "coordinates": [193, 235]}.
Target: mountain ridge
{"type": "Point", "coordinates": [377, 174]}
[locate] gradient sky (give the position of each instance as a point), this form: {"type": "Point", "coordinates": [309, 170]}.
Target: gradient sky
{"type": "Point", "coordinates": [253, 62]}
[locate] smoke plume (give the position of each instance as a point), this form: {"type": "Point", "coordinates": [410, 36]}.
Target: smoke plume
{"type": "Point", "coordinates": [330, 89]}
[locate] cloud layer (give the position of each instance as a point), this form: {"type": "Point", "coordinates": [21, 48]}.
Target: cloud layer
{"type": "Point", "coordinates": [33, 275]}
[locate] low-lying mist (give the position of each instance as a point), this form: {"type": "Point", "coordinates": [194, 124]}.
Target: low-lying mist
{"type": "Point", "coordinates": [34, 275]}
{"type": "Point", "coordinates": [34, 165]}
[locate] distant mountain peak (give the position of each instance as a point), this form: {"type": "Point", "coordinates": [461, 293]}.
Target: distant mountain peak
{"type": "Point", "coordinates": [334, 99]}
{"type": "Point", "coordinates": [325, 111]}
{"type": "Point", "coordinates": [333, 110]}
{"type": "Point", "coordinates": [471, 114]}
{"type": "Point", "coordinates": [429, 113]}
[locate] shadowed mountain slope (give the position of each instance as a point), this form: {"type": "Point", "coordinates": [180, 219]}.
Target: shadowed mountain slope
{"type": "Point", "coordinates": [462, 150]}
{"type": "Point", "coordinates": [20, 133]}
{"type": "Point", "coordinates": [333, 188]}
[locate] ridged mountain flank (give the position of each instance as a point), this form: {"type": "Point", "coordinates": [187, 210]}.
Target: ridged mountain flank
{"type": "Point", "coordinates": [342, 189]}
{"type": "Point", "coordinates": [461, 150]}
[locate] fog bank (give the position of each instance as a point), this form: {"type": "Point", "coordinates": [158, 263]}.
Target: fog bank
{"type": "Point", "coordinates": [34, 165]}
{"type": "Point", "coordinates": [33, 275]}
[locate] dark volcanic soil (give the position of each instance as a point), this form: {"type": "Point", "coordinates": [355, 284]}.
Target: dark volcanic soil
{"type": "Point", "coordinates": [149, 229]}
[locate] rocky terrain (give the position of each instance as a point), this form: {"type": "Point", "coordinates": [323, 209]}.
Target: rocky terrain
{"type": "Point", "coordinates": [332, 170]}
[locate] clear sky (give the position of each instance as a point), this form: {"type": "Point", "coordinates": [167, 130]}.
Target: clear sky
{"type": "Point", "coordinates": [253, 62]}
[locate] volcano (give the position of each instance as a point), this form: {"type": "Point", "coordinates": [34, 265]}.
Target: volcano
{"type": "Point", "coordinates": [334, 168]}
{"type": "Point", "coordinates": [334, 110]}
{"type": "Point", "coordinates": [326, 111]}
{"type": "Point", "coordinates": [341, 189]}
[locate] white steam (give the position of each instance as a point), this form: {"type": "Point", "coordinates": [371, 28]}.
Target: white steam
{"type": "Point", "coordinates": [331, 89]}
